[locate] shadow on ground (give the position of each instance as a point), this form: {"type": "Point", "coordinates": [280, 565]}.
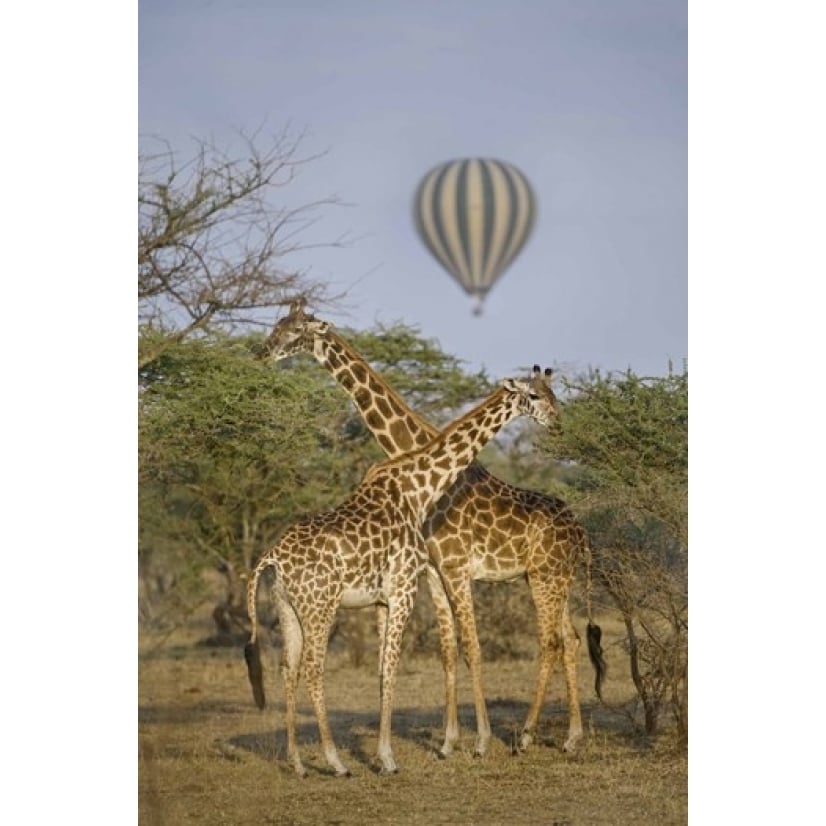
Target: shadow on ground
{"type": "Point", "coordinates": [420, 726]}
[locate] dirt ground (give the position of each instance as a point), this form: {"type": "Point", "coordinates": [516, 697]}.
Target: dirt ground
{"type": "Point", "coordinates": [207, 755]}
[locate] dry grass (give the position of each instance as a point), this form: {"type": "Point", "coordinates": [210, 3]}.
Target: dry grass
{"type": "Point", "coordinates": [208, 756]}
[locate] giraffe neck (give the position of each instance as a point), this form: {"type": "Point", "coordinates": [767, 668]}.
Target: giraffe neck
{"type": "Point", "coordinates": [396, 427]}
{"type": "Point", "coordinates": [438, 465]}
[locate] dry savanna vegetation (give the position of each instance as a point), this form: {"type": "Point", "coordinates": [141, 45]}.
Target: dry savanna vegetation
{"type": "Point", "coordinates": [209, 756]}
{"type": "Point", "coordinates": [232, 450]}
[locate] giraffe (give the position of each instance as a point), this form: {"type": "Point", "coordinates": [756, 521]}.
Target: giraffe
{"type": "Point", "coordinates": [482, 529]}
{"type": "Point", "coordinates": [370, 550]}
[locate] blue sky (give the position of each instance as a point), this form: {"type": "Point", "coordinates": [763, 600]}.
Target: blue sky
{"type": "Point", "coordinates": [588, 98]}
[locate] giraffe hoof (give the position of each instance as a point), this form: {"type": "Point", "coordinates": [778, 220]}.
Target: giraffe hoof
{"type": "Point", "coordinates": [571, 745]}
{"type": "Point", "coordinates": [345, 773]}
{"type": "Point", "coordinates": [445, 751]}
{"type": "Point", "coordinates": [524, 743]}
{"type": "Point", "coordinates": [387, 765]}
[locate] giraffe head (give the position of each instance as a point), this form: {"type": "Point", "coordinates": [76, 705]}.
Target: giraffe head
{"type": "Point", "coordinates": [535, 397]}
{"type": "Point", "coordinates": [293, 334]}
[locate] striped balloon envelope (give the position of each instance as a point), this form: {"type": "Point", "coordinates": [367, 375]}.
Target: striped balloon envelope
{"type": "Point", "coordinates": [474, 215]}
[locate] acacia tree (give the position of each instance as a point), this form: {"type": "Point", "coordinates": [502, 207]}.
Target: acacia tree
{"type": "Point", "coordinates": [624, 442]}
{"type": "Point", "coordinates": [213, 236]}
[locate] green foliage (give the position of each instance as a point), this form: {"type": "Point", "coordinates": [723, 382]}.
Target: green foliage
{"type": "Point", "coordinates": [211, 402]}
{"type": "Point", "coordinates": [625, 440]}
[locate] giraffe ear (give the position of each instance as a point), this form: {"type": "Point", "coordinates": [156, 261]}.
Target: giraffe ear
{"type": "Point", "coordinates": [319, 327]}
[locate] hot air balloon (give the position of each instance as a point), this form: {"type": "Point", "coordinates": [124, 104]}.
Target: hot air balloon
{"type": "Point", "coordinates": [474, 215]}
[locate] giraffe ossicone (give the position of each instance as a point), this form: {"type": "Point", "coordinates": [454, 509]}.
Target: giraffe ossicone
{"type": "Point", "coordinates": [482, 529]}
{"type": "Point", "coordinates": [371, 550]}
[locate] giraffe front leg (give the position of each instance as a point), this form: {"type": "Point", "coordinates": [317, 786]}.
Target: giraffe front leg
{"type": "Point", "coordinates": [397, 616]}
{"type": "Point", "coordinates": [381, 629]}
{"type": "Point", "coordinates": [449, 652]}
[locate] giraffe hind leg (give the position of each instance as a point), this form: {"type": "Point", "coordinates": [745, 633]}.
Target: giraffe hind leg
{"type": "Point", "coordinates": [550, 625]}
{"type": "Point", "coordinates": [291, 655]}
{"type": "Point", "coordinates": [466, 620]}
{"type": "Point", "coordinates": [570, 650]}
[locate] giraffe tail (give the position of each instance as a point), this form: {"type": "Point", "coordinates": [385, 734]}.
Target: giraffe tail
{"type": "Point", "coordinates": [594, 632]}
{"type": "Point", "coordinates": [252, 650]}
